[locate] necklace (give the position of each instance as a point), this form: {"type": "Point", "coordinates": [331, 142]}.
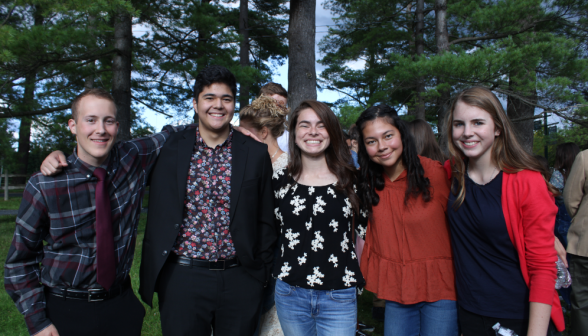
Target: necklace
{"type": "Point", "coordinates": [277, 150]}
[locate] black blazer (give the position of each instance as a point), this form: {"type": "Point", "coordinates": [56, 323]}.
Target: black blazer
{"type": "Point", "coordinates": [252, 225]}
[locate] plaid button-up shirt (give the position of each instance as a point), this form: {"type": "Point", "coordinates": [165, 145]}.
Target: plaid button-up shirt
{"type": "Point", "coordinates": [60, 210]}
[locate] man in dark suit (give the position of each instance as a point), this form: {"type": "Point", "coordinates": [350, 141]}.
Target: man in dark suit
{"type": "Point", "coordinates": [210, 231]}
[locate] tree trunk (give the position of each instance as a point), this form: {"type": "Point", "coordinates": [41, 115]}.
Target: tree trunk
{"type": "Point", "coordinates": [89, 80]}
{"type": "Point", "coordinates": [442, 38]}
{"type": "Point", "coordinates": [420, 49]}
{"type": "Point", "coordinates": [244, 52]}
{"type": "Point", "coordinates": [121, 72]}
{"type": "Point", "coordinates": [200, 46]}
{"type": "Point", "coordinates": [24, 132]}
{"type": "Point", "coordinates": [301, 53]}
{"type": "Point", "coordinates": [518, 108]}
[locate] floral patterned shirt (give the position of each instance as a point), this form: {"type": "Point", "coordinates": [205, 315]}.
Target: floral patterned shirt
{"type": "Point", "coordinates": [205, 228]}
{"type": "Point", "coordinates": [317, 242]}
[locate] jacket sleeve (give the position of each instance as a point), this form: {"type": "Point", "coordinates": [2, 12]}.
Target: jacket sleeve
{"type": "Point", "coordinates": [574, 188]}
{"type": "Point", "coordinates": [21, 270]}
{"type": "Point", "coordinates": [267, 226]}
{"type": "Point", "coordinates": [538, 211]}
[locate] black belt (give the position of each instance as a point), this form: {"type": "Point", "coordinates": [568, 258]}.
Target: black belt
{"type": "Point", "coordinates": [219, 265]}
{"type": "Point", "coordinates": [92, 295]}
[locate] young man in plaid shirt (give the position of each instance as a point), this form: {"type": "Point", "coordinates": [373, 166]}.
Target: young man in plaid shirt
{"type": "Point", "coordinates": [51, 270]}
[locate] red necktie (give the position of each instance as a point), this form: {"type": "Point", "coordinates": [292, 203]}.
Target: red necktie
{"type": "Point", "coordinates": [105, 260]}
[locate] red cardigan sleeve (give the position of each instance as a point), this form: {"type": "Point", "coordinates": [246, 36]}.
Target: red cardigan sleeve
{"type": "Point", "coordinates": [529, 210]}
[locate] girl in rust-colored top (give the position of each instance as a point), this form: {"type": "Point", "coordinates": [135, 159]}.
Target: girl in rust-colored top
{"type": "Point", "coordinates": [407, 258]}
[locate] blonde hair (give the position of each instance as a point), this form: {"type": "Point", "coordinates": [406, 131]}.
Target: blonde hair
{"type": "Point", "coordinates": [264, 112]}
{"type": "Point", "coordinates": [507, 153]}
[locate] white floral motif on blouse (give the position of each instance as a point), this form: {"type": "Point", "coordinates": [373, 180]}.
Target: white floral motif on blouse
{"type": "Point", "coordinates": [308, 224]}
{"type": "Point", "coordinates": [348, 278]}
{"type": "Point", "coordinates": [282, 192]}
{"type": "Point", "coordinates": [318, 206]}
{"type": "Point", "coordinates": [331, 192]}
{"type": "Point", "coordinates": [310, 190]}
{"type": "Point", "coordinates": [279, 216]}
{"type": "Point", "coordinates": [347, 208]}
{"type": "Point", "coordinates": [278, 170]}
{"type": "Point", "coordinates": [285, 271]}
{"type": "Point", "coordinates": [315, 277]}
{"type": "Point", "coordinates": [317, 242]}
{"type": "Point", "coordinates": [302, 260]}
{"type": "Point", "coordinates": [334, 224]}
{"type": "Point", "coordinates": [344, 243]}
{"type": "Point", "coordinates": [361, 230]}
{"type": "Point", "coordinates": [282, 250]}
{"type": "Point", "coordinates": [298, 204]}
{"type": "Point", "coordinates": [292, 238]}
{"type": "Point", "coordinates": [334, 260]}
{"type": "Point", "coordinates": [353, 256]}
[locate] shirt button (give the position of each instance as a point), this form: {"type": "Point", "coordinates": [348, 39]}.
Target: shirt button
{"type": "Point", "coordinates": [177, 226]}
{"type": "Point", "coordinates": [88, 176]}
{"type": "Point", "coordinates": [164, 253]}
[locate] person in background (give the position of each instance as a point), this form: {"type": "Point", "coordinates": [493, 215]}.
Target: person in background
{"type": "Point", "coordinates": [565, 154]}
{"type": "Point", "coordinates": [501, 215]}
{"type": "Point", "coordinates": [316, 207]}
{"type": "Point", "coordinates": [352, 143]}
{"type": "Point", "coordinates": [266, 120]}
{"type": "Point", "coordinates": [277, 92]}
{"type": "Point", "coordinates": [407, 258]}
{"type": "Point", "coordinates": [424, 140]}
{"type": "Point", "coordinates": [575, 190]}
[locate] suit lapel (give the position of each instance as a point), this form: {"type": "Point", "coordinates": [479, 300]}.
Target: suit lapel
{"type": "Point", "coordinates": [238, 165]}
{"type": "Point", "coordinates": [185, 149]}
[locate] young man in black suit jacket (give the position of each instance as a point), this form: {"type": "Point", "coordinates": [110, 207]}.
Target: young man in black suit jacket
{"type": "Point", "coordinates": [210, 230]}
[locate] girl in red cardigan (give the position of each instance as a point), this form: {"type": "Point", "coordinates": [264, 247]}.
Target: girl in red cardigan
{"type": "Point", "coordinates": [501, 214]}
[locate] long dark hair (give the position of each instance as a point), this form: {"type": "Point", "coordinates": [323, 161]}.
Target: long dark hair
{"type": "Point", "coordinates": [565, 154]}
{"type": "Point", "coordinates": [424, 140]}
{"type": "Point", "coordinates": [371, 173]}
{"type": "Point", "coordinates": [337, 155]}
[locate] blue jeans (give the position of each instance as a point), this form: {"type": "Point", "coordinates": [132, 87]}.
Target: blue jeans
{"type": "Point", "coordinates": [307, 312]}
{"type": "Point", "coordinates": [437, 318]}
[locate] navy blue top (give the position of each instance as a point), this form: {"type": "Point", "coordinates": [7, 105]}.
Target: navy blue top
{"type": "Point", "coordinates": [488, 277]}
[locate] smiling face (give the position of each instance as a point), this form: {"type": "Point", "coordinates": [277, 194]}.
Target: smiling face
{"type": "Point", "coordinates": [95, 129]}
{"type": "Point", "coordinates": [311, 134]}
{"type": "Point", "coordinates": [215, 108]}
{"type": "Point", "coordinates": [473, 132]}
{"type": "Point", "coordinates": [383, 144]}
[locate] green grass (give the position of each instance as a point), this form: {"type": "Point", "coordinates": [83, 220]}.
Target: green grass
{"type": "Point", "coordinates": [12, 322]}
{"type": "Point", "coordinates": [12, 204]}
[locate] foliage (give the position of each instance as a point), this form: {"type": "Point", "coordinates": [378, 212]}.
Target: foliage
{"type": "Point", "coordinates": [6, 143]}
{"type": "Point", "coordinates": [348, 114]}
{"type": "Point", "coordinates": [539, 45]}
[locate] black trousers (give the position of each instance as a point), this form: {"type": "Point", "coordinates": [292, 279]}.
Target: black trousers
{"type": "Point", "coordinates": [472, 324]}
{"type": "Point", "coordinates": [579, 297]}
{"type": "Point", "coordinates": [195, 300]}
{"type": "Point", "coordinates": [119, 316]}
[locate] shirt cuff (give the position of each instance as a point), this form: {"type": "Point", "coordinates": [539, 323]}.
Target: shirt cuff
{"type": "Point", "coordinates": [37, 322]}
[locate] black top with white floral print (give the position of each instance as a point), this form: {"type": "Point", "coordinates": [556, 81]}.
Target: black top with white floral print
{"type": "Point", "coordinates": [317, 249]}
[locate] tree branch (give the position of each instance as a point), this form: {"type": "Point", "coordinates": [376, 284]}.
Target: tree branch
{"type": "Point", "coordinates": [7, 113]}
{"type": "Point", "coordinates": [151, 107]}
